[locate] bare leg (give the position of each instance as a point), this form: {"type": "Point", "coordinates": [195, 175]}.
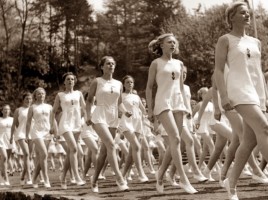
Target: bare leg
{"type": "Point", "coordinates": [106, 137]}
{"type": "Point", "coordinates": [172, 122]}
{"type": "Point", "coordinates": [26, 160]}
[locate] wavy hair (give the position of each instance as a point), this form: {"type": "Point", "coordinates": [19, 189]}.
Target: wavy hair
{"type": "Point", "coordinates": [231, 11]}
{"type": "Point", "coordinates": [155, 48]}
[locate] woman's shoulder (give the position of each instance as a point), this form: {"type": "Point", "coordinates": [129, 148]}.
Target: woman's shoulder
{"type": "Point", "coordinates": [253, 39]}
{"type": "Point", "coordinates": [177, 61]}
{"type": "Point", "coordinates": [224, 38]}
{"type": "Point", "coordinates": [117, 81]}
{"type": "Point", "coordinates": [48, 105]}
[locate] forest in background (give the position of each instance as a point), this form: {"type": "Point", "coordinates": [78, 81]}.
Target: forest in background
{"type": "Point", "coordinates": [42, 39]}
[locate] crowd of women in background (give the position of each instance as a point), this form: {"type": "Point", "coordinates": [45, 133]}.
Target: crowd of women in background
{"type": "Point", "coordinates": [111, 124]}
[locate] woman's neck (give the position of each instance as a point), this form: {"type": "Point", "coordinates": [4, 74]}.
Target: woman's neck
{"type": "Point", "coordinates": [69, 90]}
{"type": "Point", "coordinates": [5, 116]}
{"type": "Point", "coordinates": [167, 56]}
{"type": "Point", "coordinates": [128, 91]}
{"type": "Point", "coordinates": [107, 76]}
{"type": "Point", "coordinates": [238, 31]}
{"type": "Point", "coordinates": [39, 102]}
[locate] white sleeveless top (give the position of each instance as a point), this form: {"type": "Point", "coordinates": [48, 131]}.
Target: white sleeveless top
{"type": "Point", "coordinates": [70, 120]}
{"type": "Point", "coordinates": [245, 81]}
{"type": "Point", "coordinates": [5, 131]}
{"type": "Point", "coordinates": [41, 116]}
{"type": "Point", "coordinates": [107, 95]}
{"type": "Point", "coordinates": [133, 123]}
{"type": "Point", "coordinates": [168, 95]}
{"type": "Point", "coordinates": [20, 132]}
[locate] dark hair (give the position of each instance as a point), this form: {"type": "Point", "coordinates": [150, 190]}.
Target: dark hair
{"type": "Point", "coordinates": [124, 79]}
{"type": "Point", "coordinates": [26, 94]}
{"type": "Point", "coordinates": [69, 74]}
{"type": "Point", "coordinates": [103, 60]}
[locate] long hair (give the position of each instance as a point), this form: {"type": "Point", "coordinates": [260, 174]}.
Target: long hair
{"type": "Point", "coordinates": [155, 48]}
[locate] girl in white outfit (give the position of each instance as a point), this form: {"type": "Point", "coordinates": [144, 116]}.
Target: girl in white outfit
{"type": "Point", "coordinates": [72, 103]}
{"type": "Point", "coordinates": [105, 118]}
{"type": "Point", "coordinates": [169, 103]}
{"type": "Point", "coordinates": [202, 126]}
{"type": "Point", "coordinates": [244, 88]}
{"type": "Point", "coordinates": [41, 113]}
{"type": "Point", "coordinates": [131, 127]}
{"type": "Point", "coordinates": [18, 132]}
{"type": "Point", "coordinates": [5, 133]}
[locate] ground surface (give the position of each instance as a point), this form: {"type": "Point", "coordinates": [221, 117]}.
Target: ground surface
{"type": "Point", "coordinates": [247, 189]}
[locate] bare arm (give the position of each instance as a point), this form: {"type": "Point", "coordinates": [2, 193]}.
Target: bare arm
{"type": "Point", "coordinates": [55, 109]}
{"type": "Point", "coordinates": [90, 100]}
{"type": "Point", "coordinates": [149, 88]}
{"type": "Point", "coordinates": [121, 105]}
{"type": "Point", "coordinates": [196, 108]}
{"type": "Point", "coordinates": [220, 61]}
{"type": "Point", "coordinates": [83, 106]}
{"type": "Point", "coordinates": [215, 99]}
{"type": "Point", "coordinates": [203, 106]}
{"type": "Point", "coordinates": [188, 105]}
{"type": "Point", "coordinates": [182, 89]}
{"type": "Point", "coordinates": [29, 121]}
{"type": "Point", "coordinates": [142, 108]}
{"type": "Point", "coordinates": [14, 124]}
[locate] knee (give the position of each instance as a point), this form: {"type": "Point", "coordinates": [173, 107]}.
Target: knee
{"type": "Point", "coordinates": [26, 154]}
{"type": "Point", "coordinates": [73, 149]}
{"type": "Point", "coordinates": [4, 159]}
{"type": "Point", "coordinates": [190, 142]}
{"type": "Point", "coordinates": [176, 140]}
{"type": "Point", "coordinates": [136, 147]}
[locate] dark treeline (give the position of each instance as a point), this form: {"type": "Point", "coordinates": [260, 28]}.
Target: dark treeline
{"type": "Point", "coordinates": [42, 39]}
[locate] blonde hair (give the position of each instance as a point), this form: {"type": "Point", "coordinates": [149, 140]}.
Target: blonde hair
{"type": "Point", "coordinates": [231, 11]}
{"type": "Point", "coordinates": [36, 90]}
{"type": "Point", "coordinates": [201, 91]}
{"type": "Point", "coordinates": [154, 45]}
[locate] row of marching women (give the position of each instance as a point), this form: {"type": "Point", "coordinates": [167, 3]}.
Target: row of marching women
{"type": "Point", "coordinates": [89, 130]}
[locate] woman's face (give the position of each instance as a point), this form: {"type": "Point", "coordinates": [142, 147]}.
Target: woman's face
{"type": "Point", "coordinates": [40, 95]}
{"type": "Point", "coordinates": [129, 84]}
{"type": "Point", "coordinates": [109, 66]}
{"type": "Point", "coordinates": [69, 81]}
{"type": "Point", "coordinates": [6, 110]}
{"type": "Point", "coordinates": [241, 17]}
{"type": "Point", "coordinates": [143, 101]}
{"type": "Point", "coordinates": [169, 44]}
{"type": "Point", "coordinates": [27, 101]}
